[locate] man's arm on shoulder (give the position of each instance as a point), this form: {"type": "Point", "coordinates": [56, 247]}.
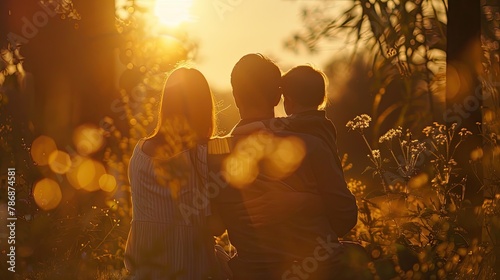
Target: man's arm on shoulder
{"type": "Point", "coordinates": [276, 203]}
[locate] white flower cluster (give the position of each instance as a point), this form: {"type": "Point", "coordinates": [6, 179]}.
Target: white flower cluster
{"type": "Point", "coordinates": [440, 139]}
{"type": "Point", "coordinates": [359, 123]}
{"type": "Point", "coordinates": [464, 132]}
{"type": "Point", "coordinates": [391, 134]}
{"type": "Point", "coordinates": [416, 147]}
{"type": "Point", "coordinates": [443, 135]}
{"type": "Point", "coordinates": [437, 128]}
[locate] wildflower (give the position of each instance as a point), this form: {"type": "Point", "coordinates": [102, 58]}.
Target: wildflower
{"type": "Point", "coordinates": [421, 146]}
{"type": "Point", "coordinates": [376, 154]}
{"type": "Point", "coordinates": [416, 147]}
{"type": "Point", "coordinates": [440, 127]}
{"type": "Point", "coordinates": [440, 139]}
{"type": "Point", "coordinates": [356, 187]}
{"type": "Point", "coordinates": [464, 132]}
{"type": "Point", "coordinates": [359, 123]}
{"type": "Point", "coordinates": [389, 135]}
{"type": "Point", "coordinates": [428, 130]}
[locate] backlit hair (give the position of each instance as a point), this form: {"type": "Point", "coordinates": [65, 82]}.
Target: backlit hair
{"type": "Point", "coordinates": [256, 79]}
{"type": "Point", "coordinates": [187, 105]}
{"type": "Point", "coordinates": [305, 85]}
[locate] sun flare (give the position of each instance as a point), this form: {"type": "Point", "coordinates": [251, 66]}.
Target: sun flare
{"type": "Point", "coordinates": [173, 12]}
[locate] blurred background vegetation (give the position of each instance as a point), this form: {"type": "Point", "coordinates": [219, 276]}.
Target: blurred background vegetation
{"type": "Point", "coordinates": [72, 108]}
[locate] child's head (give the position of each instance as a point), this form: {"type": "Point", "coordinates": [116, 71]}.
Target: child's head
{"type": "Point", "coordinates": [304, 89]}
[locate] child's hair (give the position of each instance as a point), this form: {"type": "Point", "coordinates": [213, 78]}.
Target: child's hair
{"type": "Point", "coordinates": [305, 85]}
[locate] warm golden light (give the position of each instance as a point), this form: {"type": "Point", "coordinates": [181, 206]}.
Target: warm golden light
{"type": "Point", "coordinates": [240, 171]}
{"type": "Point", "coordinates": [173, 12]}
{"type": "Point", "coordinates": [41, 149]}
{"type": "Point", "coordinates": [476, 154]}
{"type": "Point", "coordinates": [59, 162]}
{"type": "Point", "coordinates": [89, 173]}
{"type": "Point", "coordinates": [47, 194]}
{"type": "Point", "coordinates": [72, 173]}
{"type": "Point", "coordinates": [419, 181]}
{"type": "Point", "coordinates": [277, 157]}
{"type": "Point", "coordinates": [286, 157]}
{"type": "Point", "coordinates": [88, 139]}
{"type": "Point", "coordinates": [107, 182]}
{"type": "Point", "coordinates": [86, 174]}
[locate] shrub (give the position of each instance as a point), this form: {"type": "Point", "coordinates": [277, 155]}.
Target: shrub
{"type": "Point", "coordinates": [412, 224]}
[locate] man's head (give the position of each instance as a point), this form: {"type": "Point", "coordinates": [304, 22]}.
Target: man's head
{"type": "Point", "coordinates": [256, 85]}
{"type": "Point", "coordinates": [304, 88]}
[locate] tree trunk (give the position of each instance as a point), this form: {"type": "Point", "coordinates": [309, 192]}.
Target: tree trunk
{"type": "Point", "coordinates": [463, 94]}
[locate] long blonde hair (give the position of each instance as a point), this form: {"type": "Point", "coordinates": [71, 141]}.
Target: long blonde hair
{"type": "Point", "coordinates": [186, 106]}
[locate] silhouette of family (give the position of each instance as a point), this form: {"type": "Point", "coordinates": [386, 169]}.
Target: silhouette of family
{"type": "Point", "coordinates": [275, 185]}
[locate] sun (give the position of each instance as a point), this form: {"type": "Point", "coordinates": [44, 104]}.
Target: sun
{"type": "Point", "coordinates": [173, 12]}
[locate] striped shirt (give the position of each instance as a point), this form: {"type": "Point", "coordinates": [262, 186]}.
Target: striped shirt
{"type": "Point", "coordinates": [168, 238]}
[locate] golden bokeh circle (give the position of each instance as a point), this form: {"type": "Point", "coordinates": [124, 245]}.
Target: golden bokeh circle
{"type": "Point", "coordinates": [59, 162]}
{"type": "Point", "coordinates": [107, 182]}
{"type": "Point", "coordinates": [88, 174]}
{"type": "Point", "coordinates": [88, 139]}
{"type": "Point", "coordinates": [41, 148]}
{"type": "Point", "coordinates": [47, 194]}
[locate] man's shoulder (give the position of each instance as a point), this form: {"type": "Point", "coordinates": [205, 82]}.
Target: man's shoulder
{"type": "Point", "coordinates": [225, 145]}
{"type": "Point", "coordinates": [311, 143]}
{"type": "Point", "coordinates": [299, 122]}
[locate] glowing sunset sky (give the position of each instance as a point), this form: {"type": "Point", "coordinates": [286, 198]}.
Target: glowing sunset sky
{"type": "Point", "coordinates": [228, 29]}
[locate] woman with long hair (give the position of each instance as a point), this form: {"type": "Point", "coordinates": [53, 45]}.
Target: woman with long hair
{"type": "Point", "coordinates": [169, 236]}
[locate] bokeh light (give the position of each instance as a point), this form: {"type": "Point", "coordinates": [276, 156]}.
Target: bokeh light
{"type": "Point", "coordinates": [47, 194]}
{"type": "Point", "coordinates": [59, 162]}
{"type": "Point", "coordinates": [287, 156]}
{"type": "Point", "coordinates": [458, 80]}
{"type": "Point", "coordinates": [41, 148]}
{"type": "Point", "coordinates": [276, 157]}
{"type": "Point", "coordinates": [71, 175]}
{"type": "Point", "coordinates": [476, 154]}
{"type": "Point", "coordinates": [241, 167]}
{"type": "Point", "coordinates": [419, 181]}
{"type": "Point", "coordinates": [88, 139]}
{"type": "Point", "coordinates": [86, 174]}
{"type": "Point", "coordinates": [107, 182]}
{"type": "Point", "coordinates": [489, 115]}
{"type": "Point", "coordinates": [89, 173]}
{"type": "Point", "coordinates": [239, 170]}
